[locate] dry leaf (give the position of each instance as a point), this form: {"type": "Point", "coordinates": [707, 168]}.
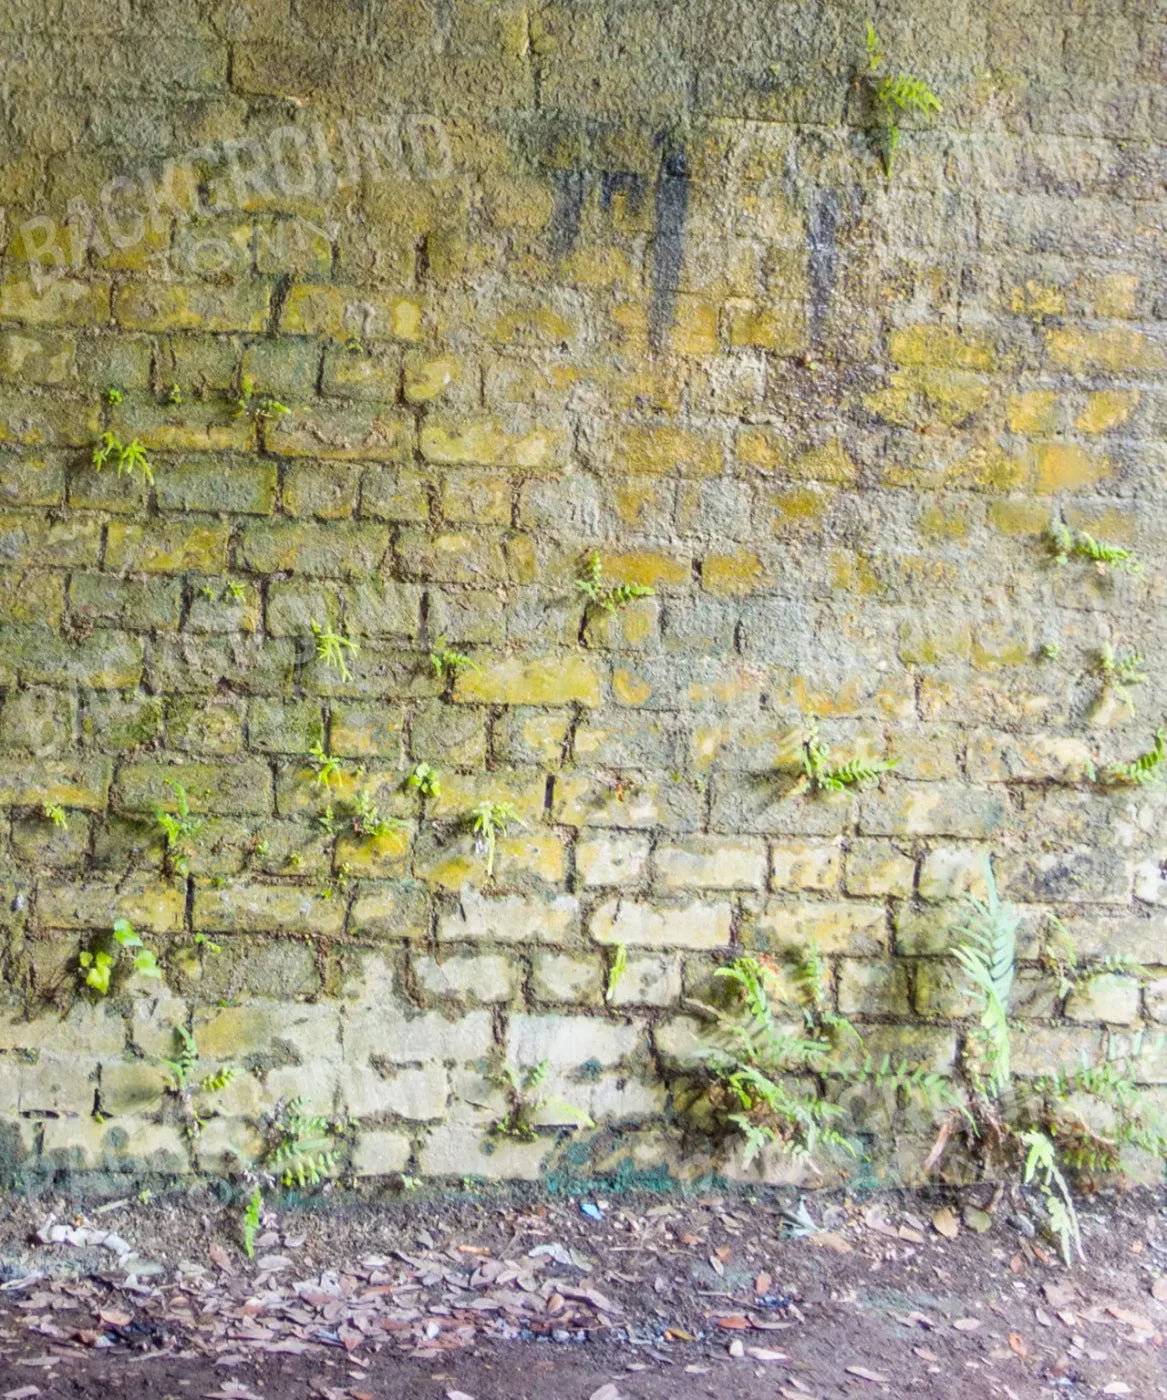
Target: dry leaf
{"type": "Point", "coordinates": [458, 1395]}
{"type": "Point", "coordinates": [765, 1354]}
{"type": "Point", "coordinates": [865, 1375]}
{"type": "Point", "coordinates": [829, 1239]}
{"type": "Point", "coordinates": [1018, 1345]}
{"type": "Point", "coordinates": [967, 1324]}
{"type": "Point", "coordinates": [905, 1232]}
{"type": "Point", "coordinates": [1117, 1388]}
{"type": "Point", "coordinates": [762, 1284]}
{"type": "Point", "coordinates": [1059, 1295]}
{"type": "Point", "coordinates": [24, 1392]}
{"type": "Point", "coordinates": [606, 1392]}
{"type": "Point", "coordinates": [717, 1266]}
{"type": "Point", "coordinates": [734, 1322]}
{"type": "Point", "coordinates": [1159, 1289]}
{"type": "Point", "coordinates": [1016, 1264]}
{"type": "Point", "coordinates": [1132, 1319]}
{"type": "Point", "coordinates": [946, 1224]}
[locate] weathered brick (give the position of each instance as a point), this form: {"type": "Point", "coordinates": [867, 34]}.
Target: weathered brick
{"type": "Point", "coordinates": [550, 680]}
{"type": "Point", "coordinates": [694, 925]}
{"type": "Point", "coordinates": [712, 863]}
{"type": "Point", "coordinates": [510, 919]}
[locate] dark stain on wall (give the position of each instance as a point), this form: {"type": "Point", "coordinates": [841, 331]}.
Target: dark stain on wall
{"type": "Point", "coordinates": [822, 225]}
{"type": "Point", "coordinates": [668, 248]}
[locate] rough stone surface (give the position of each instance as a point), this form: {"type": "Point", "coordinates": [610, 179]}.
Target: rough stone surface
{"type": "Point", "coordinates": [404, 342]}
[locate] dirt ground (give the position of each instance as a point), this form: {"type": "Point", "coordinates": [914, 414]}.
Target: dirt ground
{"type": "Point", "coordinates": [495, 1297]}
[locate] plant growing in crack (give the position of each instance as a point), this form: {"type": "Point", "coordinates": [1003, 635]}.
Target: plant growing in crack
{"type": "Point", "coordinates": [448, 661]}
{"type": "Point", "coordinates": [331, 647]}
{"type": "Point", "coordinates": [301, 1148]}
{"type": "Point", "coordinates": [1066, 544]}
{"type": "Point", "coordinates": [891, 95]}
{"type": "Point", "coordinates": [368, 820]}
{"type": "Point", "coordinates": [250, 403]}
{"type": "Point", "coordinates": [524, 1090]}
{"type": "Point", "coordinates": [97, 964]}
{"type": "Point", "coordinates": [326, 767]}
{"type": "Point", "coordinates": [129, 458]}
{"type": "Point", "coordinates": [616, 970]}
{"type": "Point", "coordinates": [820, 774]}
{"type": "Point", "coordinates": [1147, 768]}
{"type": "Point", "coordinates": [424, 781]}
{"type": "Point", "coordinates": [490, 820]}
{"type": "Point", "coordinates": [178, 829]}
{"type": "Point", "coordinates": [55, 813]}
{"type": "Point", "coordinates": [1118, 672]}
{"type": "Point", "coordinates": [187, 1088]}
{"type": "Point", "coordinates": [609, 598]}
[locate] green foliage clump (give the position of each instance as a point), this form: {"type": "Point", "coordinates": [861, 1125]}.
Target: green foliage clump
{"type": "Point", "coordinates": [1040, 1128]}
{"type": "Point", "coordinates": [819, 774]}
{"type": "Point", "coordinates": [251, 403]}
{"type": "Point", "coordinates": [252, 1215]}
{"type": "Point", "coordinates": [1147, 768]}
{"type": "Point", "coordinates": [97, 964]}
{"type": "Point", "coordinates": [326, 767]}
{"type": "Point", "coordinates": [490, 820]}
{"type": "Point", "coordinates": [525, 1098]}
{"type": "Point", "coordinates": [607, 597]}
{"type": "Point", "coordinates": [616, 971]}
{"type": "Point", "coordinates": [448, 661]}
{"type": "Point", "coordinates": [331, 647]}
{"type": "Point", "coordinates": [770, 1082]}
{"type": "Point", "coordinates": [55, 813]}
{"type": "Point", "coordinates": [891, 95]}
{"type": "Point", "coordinates": [301, 1146]}
{"type": "Point", "coordinates": [1066, 544]}
{"type": "Point", "coordinates": [186, 1086]}
{"type": "Point", "coordinates": [367, 819]}
{"type": "Point", "coordinates": [178, 829]}
{"type": "Point", "coordinates": [1118, 672]}
{"type": "Point", "coordinates": [424, 780]}
{"type": "Point", "coordinates": [128, 457]}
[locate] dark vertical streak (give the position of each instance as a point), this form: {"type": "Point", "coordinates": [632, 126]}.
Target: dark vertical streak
{"type": "Point", "coordinates": [567, 212]}
{"type": "Point", "coordinates": [668, 249]}
{"type": "Point", "coordinates": [822, 225]}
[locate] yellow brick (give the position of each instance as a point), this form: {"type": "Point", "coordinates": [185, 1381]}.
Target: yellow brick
{"type": "Point", "coordinates": [538, 325]}
{"type": "Point", "coordinates": [1113, 350]}
{"type": "Point", "coordinates": [1106, 409]}
{"type": "Point", "coordinates": [1010, 517]}
{"type": "Point", "coordinates": [663, 451]}
{"type": "Point", "coordinates": [1033, 412]}
{"type": "Point", "coordinates": [1114, 295]}
{"type": "Point", "coordinates": [730, 574]}
{"type": "Point", "coordinates": [485, 444]}
{"type": "Point", "coordinates": [173, 306]}
{"type": "Point", "coordinates": [936, 523]}
{"type": "Point", "coordinates": [428, 378]}
{"type": "Point", "coordinates": [768, 449]}
{"type": "Point", "coordinates": [778, 329]}
{"type": "Point", "coordinates": [1063, 466]}
{"type": "Point", "coordinates": [1034, 299]}
{"type": "Point", "coordinates": [343, 313]}
{"type": "Point", "coordinates": [548, 680]}
{"type": "Point", "coordinates": [63, 302]}
{"type": "Point", "coordinates": [694, 328]}
{"type": "Point", "coordinates": [629, 688]}
{"type": "Point", "coordinates": [939, 347]}
{"type": "Point", "coordinates": [647, 568]}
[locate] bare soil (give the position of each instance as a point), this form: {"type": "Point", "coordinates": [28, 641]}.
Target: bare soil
{"type": "Point", "coordinates": [498, 1297]}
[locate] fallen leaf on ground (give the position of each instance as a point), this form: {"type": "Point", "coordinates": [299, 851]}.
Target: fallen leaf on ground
{"type": "Point", "coordinates": [734, 1322]}
{"type": "Point", "coordinates": [1132, 1319]}
{"type": "Point", "coordinates": [1116, 1388]}
{"type": "Point", "coordinates": [606, 1392]}
{"type": "Point", "coordinates": [829, 1239]}
{"type": "Point", "coordinates": [1159, 1289]}
{"type": "Point", "coordinates": [1059, 1295]}
{"type": "Point", "coordinates": [865, 1375]}
{"type": "Point", "coordinates": [762, 1283]}
{"type": "Point", "coordinates": [1018, 1344]}
{"type": "Point", "coordinates": [458, 1395]}
{"type": "Point", "coordinates": [967, 1324]}
{"type": "Point", "coordinates": [946, 1224]}
{"type": "Point", "coordinates": [765, 1354]}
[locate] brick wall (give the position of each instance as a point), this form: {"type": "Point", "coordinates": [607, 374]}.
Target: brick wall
{"type": "Point", "coordinates": [536, 281]}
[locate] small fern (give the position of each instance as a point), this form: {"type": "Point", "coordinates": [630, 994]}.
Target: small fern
{"type": "Point", "coordinates": [252, 1214]}
{"type": "Point", "coordinates": [129, 458]}
{"type": "Point", "coordinates": [330, 649]}
{"type": "Point", "coordinates": [1118, 672]}
{"type": "Point", "coordinates": [819, 774]}
{"type": "Point", "coordinates": [616, 971]}
{"type": "Point", "coordinates": [1147, 768]}
{"type": "Point", "coordinates": [1041, 1166]}
{"type": "Point", "coordinates": [1066, 544]}
{"type": "Point", "coordinates": [448, 661]}
{"type": "Point", "coordinates": [607, 597]}
{"type": "Point", "coordinates": [892, 94]}
{"type": "Point", "coordinates": [301, 1147]}
{"type": "Point", "coordinates": [988, 956]}
{"type": "Point", "coordinates": [523, 1089]}
{"type": "Point", "coordinates": [490, 820]}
